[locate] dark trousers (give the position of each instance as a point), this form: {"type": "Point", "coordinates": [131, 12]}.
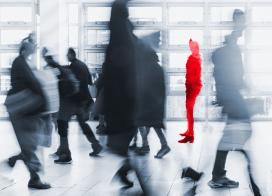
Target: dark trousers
{"type": "Point", "coordinates": [63, 132]}
{"type": "Point", "coordinates": [25, 129]}
{"type": "Point", "coordinates": [144, 131]}
{"type": "Point", "coordinates": [219, 168]}
{"type": "Point", "coordinates": [63, 128]}
{"type": "Point", "coordinates": [30, 159]}
{"type": "Point", "coordinates": [219, 164]}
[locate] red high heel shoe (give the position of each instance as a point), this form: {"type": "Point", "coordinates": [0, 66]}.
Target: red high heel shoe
{"type": "Point", "coordinates": [187, 139]}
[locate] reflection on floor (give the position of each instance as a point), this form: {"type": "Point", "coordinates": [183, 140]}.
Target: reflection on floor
{"type": "Point", "coordinates": [92, 176]}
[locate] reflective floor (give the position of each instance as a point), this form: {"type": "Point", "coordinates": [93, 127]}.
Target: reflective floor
{"type": "Point", "coordinates": [93, 176]}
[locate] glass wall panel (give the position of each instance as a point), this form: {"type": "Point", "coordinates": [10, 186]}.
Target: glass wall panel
{"type": "Point", "coordinates": [185, 14]}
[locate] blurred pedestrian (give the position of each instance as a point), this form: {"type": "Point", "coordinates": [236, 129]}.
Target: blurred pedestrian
{"type": "Point", "coordinates": [229, 79]}
{"type": "Point", "coordinates": [151, 98]}
{"type": "Point", "coordinates": [78, 104]}
{"type": "Point", "coordinates": [120, 90]}
{"type": "Point", "coordinates": [25, 103]}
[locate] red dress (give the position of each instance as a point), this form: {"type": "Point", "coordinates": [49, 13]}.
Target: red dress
{"type": "Point", "coordinates": [193, 86]}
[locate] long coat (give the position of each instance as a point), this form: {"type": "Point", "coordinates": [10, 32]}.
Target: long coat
{"type": "Point", "coordinates": [228, 75]}
{"type": "Point", "coordinates": [151, 91]}
{"type": "Point", "coordinates": [119, 73]}
{"type": "Point", "coordinates": [120, 91]}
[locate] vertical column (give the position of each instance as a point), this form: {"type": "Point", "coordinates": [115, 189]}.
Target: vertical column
{"type": "Point", "coordinates": [63, 31]}
{"type": "Point", "coordinates": [206, 55]}
{"type": "Point", "coordinates": [53, 27]}
{"type": "Point", "coordinates": [165, 53]}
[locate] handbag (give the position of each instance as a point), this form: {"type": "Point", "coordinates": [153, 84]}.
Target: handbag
{"type": "Point", "coordinates": [23, 102]}
{"type": "Point", "coordinates": [49, 85]}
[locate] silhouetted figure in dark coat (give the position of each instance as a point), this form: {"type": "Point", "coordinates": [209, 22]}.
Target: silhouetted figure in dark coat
{"type": "Point", "coordinates": [151, 97]}
{"type": "Point", "coordinates": [119, 71]}
{"type": "Point", "coordinates": [78, 104]}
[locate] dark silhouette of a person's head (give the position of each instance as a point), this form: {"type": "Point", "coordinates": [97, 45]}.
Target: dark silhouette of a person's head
{"type": "Point", "coordinates": [239, 19]}
{"type": "Point", "coordinates": [120, 26]}
{"type": "Point", "coordinates": [71, 54]}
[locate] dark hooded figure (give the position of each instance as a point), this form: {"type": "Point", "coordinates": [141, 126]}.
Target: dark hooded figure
{"type": "Point", "coordinates": [151, 85]}
{"type": "Point", "coordinates": [119, 73]}
{"type": "Point", "coordinates": [151, 97]}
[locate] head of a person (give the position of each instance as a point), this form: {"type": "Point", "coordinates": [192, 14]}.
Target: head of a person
{"type": "Point", "coordinates": [119, 9]}
{"type": "Point", "coordinates": [121, 29]}
{"type": "Point", "coordinates": [27, 49]}
{"type": "Point", "coordinates": [239, 20]}
{"type": "Point", "coordinates": [71, 55]}
{"type": "Point", "coordinates": [194, 47]}
{"type": "Point", "coordinates": [32, 37]}
{"type": "Point", "coordinates": [47, 55]}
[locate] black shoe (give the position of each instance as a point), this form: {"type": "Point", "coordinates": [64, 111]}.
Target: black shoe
{"type": "Point", "coordinates": [101, 126]}
{"type": "Point", "coordinates": [97, 148]}
{"type": "Point", "coordinates": [132, 147]}
{"type": "Point", "coordinates": [142, 150]}
{"type": "Point", "coordinates": [122, 177]}
{"type": "Point", "coordinates": [223, 182]}
{"type": "Point", "coordinates": [12, 161]}
{"type": "Point", "coordinates": [64, 159]}
{"type": "Point", "coordinates": [190, 173]}
{"type": "Point", "coordinates": [37, 184]}
{"type": "Point", "coordinates": [55, 154]}
{"type": "Point", "coordinates": [101, 131]}
{"type": "Point", "coordinates": [162, 152]}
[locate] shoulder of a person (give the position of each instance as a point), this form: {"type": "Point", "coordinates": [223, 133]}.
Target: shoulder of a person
{"type": "Point", "coordinates": [18, 59]}
{"type": "Point", "coordinates": [19, 62]}
{"type": "Point", "coordinates": [220, 49]}
{"type": "Point", "coordinates": [81, 63]}
{"type": "Point", "coordinates": [192, 59]}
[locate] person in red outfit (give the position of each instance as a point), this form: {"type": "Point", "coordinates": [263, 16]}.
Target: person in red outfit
{"type": "Point", "coordinates": [193, 86]}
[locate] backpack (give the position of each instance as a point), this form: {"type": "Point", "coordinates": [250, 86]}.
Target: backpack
{"type": "Point", "coordinates": [68, 85]}
{"type": "Point", "coordinates": [49, 84]}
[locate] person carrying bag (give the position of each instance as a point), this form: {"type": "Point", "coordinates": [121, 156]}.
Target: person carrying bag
{"type": "Point", "coordinates": [25, 103]}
